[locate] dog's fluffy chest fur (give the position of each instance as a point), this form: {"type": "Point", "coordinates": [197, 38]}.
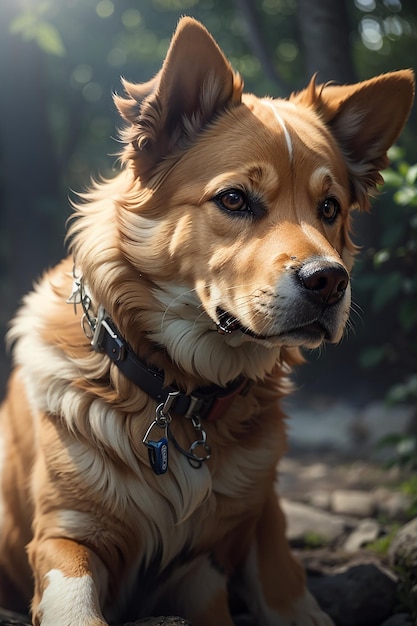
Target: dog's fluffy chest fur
{"type": "Point", "coordinates": [91, 447]}
{"type": "Point", "coordinates": [102, 431]}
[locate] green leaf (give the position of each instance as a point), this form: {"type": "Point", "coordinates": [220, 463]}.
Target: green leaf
{"type": "Point", "coordinates": [402, 168]}
{"type": "Point", "coordinates": [382, 256]}
{"type": "Point", "coordinates": [390, 440]}
{"type": "Point", "coordinates": [403, 391]}
{"type": "Point", "coordinates": [24, 25]}
{"type": "Point", "coordinates": [392, 178]}
{"type": "Point", "coordinates": [411, 175]}
{"type": "Point", "coordinates": [395, 153]}
{"type": "Point", "coordinates": [49, 39]}
{"type": "Point", "coordinates": [406, 195]}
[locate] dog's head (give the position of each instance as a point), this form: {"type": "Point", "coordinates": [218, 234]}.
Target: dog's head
{"type": "Point", "coordinates": [238, 208]}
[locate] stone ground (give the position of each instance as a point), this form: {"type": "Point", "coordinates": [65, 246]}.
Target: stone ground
{"type": "Point", "coordinates": [344, 507]}
{"type": "Point", "coordinates": [340, 501]}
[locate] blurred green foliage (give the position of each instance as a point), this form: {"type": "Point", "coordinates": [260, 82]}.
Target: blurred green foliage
{"type": "Point", "coordinates": [32, 25]}
{"type": "Point", "coordinates": [90, 43]}
{"type": "Point", "coordinates": [389, 280]}
{"type": "Point", "coordinates": [403, 450]}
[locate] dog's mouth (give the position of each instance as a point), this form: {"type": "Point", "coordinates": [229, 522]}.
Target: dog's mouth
{"type": "Point", "coordinates": [229, 324]}
{"type": "Point", "coordinates": [310, 332]}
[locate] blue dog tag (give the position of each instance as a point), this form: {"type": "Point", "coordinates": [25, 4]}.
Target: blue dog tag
{"type": "Point", "coordinates": [158, 455]}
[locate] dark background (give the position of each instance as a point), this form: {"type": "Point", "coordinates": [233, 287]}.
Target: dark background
{"type": "Point", "coordinates": [60, 61]}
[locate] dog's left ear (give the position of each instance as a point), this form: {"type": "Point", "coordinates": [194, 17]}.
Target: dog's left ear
{"type": "Point", "coordinates": [195, 84]}
{"type": "Point", "coordinates": [366, 119]}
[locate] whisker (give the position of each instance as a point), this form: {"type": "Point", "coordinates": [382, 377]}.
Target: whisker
{"type": "Point", "coordinates": [356, 313]}
{"type": "Point", "coordinates": [199, 317]}
{"type": "Point", "coordinates": [186, 292]}
{"type": "Point", "coordinates": [357, 309]}
{"type": "Point", "coordinates": [240, 302]}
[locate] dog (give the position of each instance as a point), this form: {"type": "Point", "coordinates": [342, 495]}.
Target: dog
{"type": "Point", "coordinates": [142, 427]}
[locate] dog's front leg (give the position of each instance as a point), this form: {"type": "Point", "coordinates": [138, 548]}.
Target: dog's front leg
{"type": "Point", "coordinates": [275, 579]}
{"type": "Point", "coordinates": [198, 591]}
{"type": "Point", "coordinates": [69, 580]}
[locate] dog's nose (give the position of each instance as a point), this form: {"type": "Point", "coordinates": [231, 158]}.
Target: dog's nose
{"type": "Point", "coordinates": [325, 281]}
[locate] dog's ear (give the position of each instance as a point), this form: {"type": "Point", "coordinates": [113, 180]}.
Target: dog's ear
{"type": "Point", "coordinates": [366, 119]}
{"type": "Point", "coordinates": [195, 84]}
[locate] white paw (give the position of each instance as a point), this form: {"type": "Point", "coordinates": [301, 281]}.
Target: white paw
{"type": "Point", "coordinates": [69, 601]}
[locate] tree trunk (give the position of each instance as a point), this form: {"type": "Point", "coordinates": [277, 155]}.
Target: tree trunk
{"type": "Point", "coordinates": [324, 34]}
{"type": "Point", "coordinates": [247, 10]}
{"type": "Point", "coordinates": [29, 181]}
{"type": "Point", "coordinates": [29, 174]}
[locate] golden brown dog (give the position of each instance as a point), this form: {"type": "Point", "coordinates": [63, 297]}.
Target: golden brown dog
{"type": "Point", "coordinates": [142, 429]}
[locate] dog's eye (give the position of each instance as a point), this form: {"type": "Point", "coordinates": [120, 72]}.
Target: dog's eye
{"type": "Point", "coordinates": [329, 210]}
{"type": "Point", "coordinates": [233, 200]}
{"type": "Point", "coordinates": [240, 203]}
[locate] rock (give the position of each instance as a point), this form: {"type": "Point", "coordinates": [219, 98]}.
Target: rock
{"type": "Point", "coordinates": [352, 502]}
{"type": "Point", "coordinates": [243, 620]}
{"type": "Point", "coordinates": [392, 504]}
{"type": "Point", "coordinates": [322, 424]}
{"type": "Point", "coordinates": [379, 420]}
{"type": "Point", "coordinates": [329, 428]}
{"type": "Point", "coordinates": [367, 531]}
{"type": "Point", "coordinates": [402, 552]}
{"type": "Point", "coordinates": [320, 499]}
{"type": "Point", "coordinates": [8, 618]}
{"type": "Point", "coordinates": [316, 471]}
{"type": "Point", "coordinates": [400, 619]}
{"type": "Point", "coordinates": [304, 520]}
{"type": "Point", "coordinates": [359, 595]}
{"type": "Point", "coordinates": [157, 621]}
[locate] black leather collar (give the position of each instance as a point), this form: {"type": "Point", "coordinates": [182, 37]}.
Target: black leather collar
{"type": "Point", "coordinates": [205, 402]}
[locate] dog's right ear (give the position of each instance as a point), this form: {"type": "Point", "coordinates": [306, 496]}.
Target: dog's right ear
{"type": "Point", "coordinates": [195, 84]}
{"type": "Point", "coordinates": [365, 119]}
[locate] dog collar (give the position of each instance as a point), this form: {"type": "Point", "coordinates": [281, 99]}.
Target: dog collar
{"type": "Point", "coordinates": [208, 403]}
{"type": "Point", "coordinates": [205, 402]}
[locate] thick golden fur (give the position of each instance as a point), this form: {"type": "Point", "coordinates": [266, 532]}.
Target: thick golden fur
{"type": "Point", "coordinates": [89, 533]}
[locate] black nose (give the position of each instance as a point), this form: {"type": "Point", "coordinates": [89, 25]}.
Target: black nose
{"type": "Point", "coordinates": [325, 281]}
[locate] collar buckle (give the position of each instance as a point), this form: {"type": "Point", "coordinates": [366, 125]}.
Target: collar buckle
{"type": "Point", "coordinates": [194, 407]}
{"type": "Point", "coordinates": [117, 349]}
{"type": "Point", "coordinates": [166, 407]}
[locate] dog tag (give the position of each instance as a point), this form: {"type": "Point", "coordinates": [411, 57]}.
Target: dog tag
{"type": "Point", "coordinates": [158, 455]}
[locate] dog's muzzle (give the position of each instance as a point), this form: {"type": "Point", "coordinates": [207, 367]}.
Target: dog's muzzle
{"type": "Point", "coordinates": [319, 286]}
